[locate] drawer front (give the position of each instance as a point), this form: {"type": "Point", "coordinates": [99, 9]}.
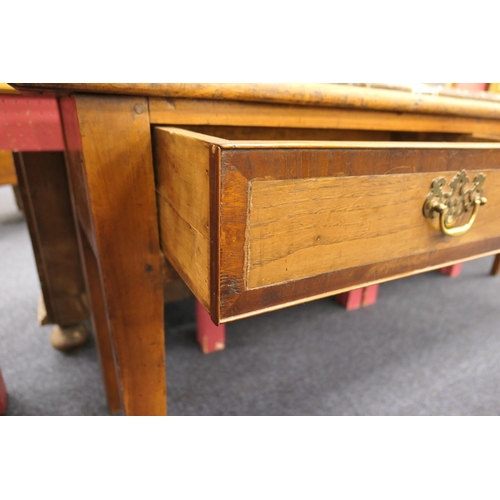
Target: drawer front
{"type": "Point", "coordinates": [289, 222]}
{"type": "Point", "coordinates": [307, 227]}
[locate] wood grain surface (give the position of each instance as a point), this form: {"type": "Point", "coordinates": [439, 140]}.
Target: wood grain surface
{"type": "Point", "coordinates": [102, 333]}
{"type": "Point", "coordinates": [47, 205]}
{"type": "Point", "coordinates": [119, 179]}
{"type": "Point", "coordinates": [230, 113]}
{"type": "Point", "coordinates": [334, 95]}
{"type": "Point", "coordinates": [76, 169]}
{"type": "Point", "coordinates": [243, 167]}
{"type": "Point", "coordinates": [291, 220]}
{"type": "Point", "coordinates": [183, 187]}
{"type": "Point", "coordinates": [307, 227]}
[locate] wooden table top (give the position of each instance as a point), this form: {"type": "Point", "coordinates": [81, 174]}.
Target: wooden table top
{"type": "Point", "coordinates": [420, 99]}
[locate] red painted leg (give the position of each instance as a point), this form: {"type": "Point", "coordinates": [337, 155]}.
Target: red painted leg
{"type": "Point", "coordinates": [370, 294]}
{"type": "Point", "coordinates": [210, 337]}
{"type": "Point", "coordinates": [451, 271]}
{"type": "Point", "coordinates": [3, 396]}
{"type": "Point", "coordinates": [351, 300]}
{"type": "Point", "coordinates": [361, 297]}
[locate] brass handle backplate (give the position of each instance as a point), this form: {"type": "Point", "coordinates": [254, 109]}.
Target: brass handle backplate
{"type": "Point", "coordinates": [452, 205]}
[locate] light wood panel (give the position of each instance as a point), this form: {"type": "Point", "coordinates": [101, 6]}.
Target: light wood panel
{"type": "Point", "coordinates": [7, 169]}
{"type": "Point", "coordinates": [182, 162]}
{"type": "Point", "coordinates": [307, 227]}
{"type": "Point", "coordinates": [227, 113]}
{"type": "Point", "coordinates": [76, 170]}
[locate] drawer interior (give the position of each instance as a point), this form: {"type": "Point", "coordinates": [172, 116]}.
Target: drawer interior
{"type": "Point", "coordinates": [238, 133]}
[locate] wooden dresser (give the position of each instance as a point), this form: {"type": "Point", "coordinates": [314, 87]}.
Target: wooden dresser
{"type": "Point", "coordinates": [263, 196]}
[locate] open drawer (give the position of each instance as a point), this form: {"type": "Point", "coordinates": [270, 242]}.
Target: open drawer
{"type": "Point", "coordinates": [253, 226]}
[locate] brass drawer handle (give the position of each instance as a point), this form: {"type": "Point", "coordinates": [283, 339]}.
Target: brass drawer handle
{"type": "Point", "coordinates": [452, 205]}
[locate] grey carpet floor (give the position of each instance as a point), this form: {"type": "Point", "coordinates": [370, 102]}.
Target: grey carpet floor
{"type": "Point", "coordinates": [430, 346]}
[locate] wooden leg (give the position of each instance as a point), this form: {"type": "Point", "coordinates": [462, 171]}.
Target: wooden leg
{"type": "Point", "coordinates": [210, 337]}
{"type": "Point", "coordinates": [451, 271]}
{"type": "Point", "coordinates": [101, 327]}
{"type": "Point", "coordinates": [495, 269]}
{"type": "Point", "coordinates": [3, 396]}
{"type": "Point", "coordinates": [108, 140]}
{"type": "Point", "coordinates": [43, 186]}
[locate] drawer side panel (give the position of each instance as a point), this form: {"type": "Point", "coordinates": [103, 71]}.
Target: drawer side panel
{"type": "Point", "coordinates": [182, 180]}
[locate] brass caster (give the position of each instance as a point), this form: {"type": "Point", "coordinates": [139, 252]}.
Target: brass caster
{"type": "Point", "coordinates": [70, 337]}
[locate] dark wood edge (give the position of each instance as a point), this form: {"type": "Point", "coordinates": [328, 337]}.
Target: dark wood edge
{"type": "Point", "coordinates": [319, 163]}
{"type": "Point", "coordinates": [214, 189]}
{"type": "Point", "coordinates": [234, 219]}
{"type": "Point", "coordinates": [35, 236]}
{"type": "Point", "coordinates": [236, 300]}
{"type": "Point", "coordinates": [271, 297]}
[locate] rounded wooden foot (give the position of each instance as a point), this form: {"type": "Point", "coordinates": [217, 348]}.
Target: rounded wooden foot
{"type": "Point", "coordinates": [69, 337]}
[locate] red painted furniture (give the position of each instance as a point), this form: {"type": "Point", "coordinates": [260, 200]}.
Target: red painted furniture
{"type": "Point", "coordinates": [361, 297]}
{"type": "Point", "coordinates": [367, 296]}
{"type": "Point", "coordinates": [30, 124]}
{"type": "Point", "coordinates": [30, 127]}
{"type": "Point", "coordinates": [210, 337]}
{"type": "Point", "coordinates": [451, 271]}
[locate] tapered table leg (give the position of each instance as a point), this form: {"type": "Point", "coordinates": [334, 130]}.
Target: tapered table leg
{"type": "Point", "coordinates": [108, 142]}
